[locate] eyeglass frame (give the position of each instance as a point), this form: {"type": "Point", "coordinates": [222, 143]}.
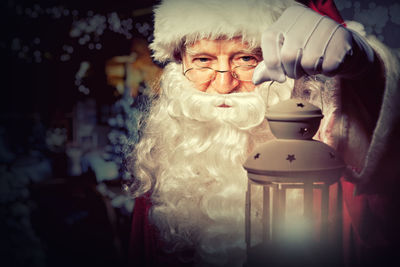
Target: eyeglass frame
{"type": "Point", "coordinates": [220, 71]}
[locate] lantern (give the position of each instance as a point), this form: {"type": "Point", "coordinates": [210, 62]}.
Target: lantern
{"type": "Point", "coordinates": [292, 164]}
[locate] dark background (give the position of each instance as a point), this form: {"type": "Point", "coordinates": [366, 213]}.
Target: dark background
{"type": "Point", "coordinates": [48, 217]}
{"type": "Point", "coordinates": [49, 85]}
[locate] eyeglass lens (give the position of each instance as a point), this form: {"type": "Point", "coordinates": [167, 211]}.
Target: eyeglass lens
{"type": "Point", "coordinates": [202, 75]}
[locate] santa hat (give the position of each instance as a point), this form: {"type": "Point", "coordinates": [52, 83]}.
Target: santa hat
{"type": "Point", "coordinates": [179, 22]}
{"type": "Point", "coordinates": [325, 8]}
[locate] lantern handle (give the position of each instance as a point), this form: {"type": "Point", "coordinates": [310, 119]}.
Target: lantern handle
{"type": "Point", "coordinates": [269, 86]}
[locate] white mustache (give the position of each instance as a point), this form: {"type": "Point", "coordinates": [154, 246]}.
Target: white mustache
{"type": "Point", "coordinates": [243, 110]}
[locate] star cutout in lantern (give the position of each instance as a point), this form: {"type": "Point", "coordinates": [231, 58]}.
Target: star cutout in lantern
{"type": "Point", "coordinates": [290, 158]}
{"type": "Point", "coordinates": [300, 105]}
{"type": "Point", "coordinates": [332, 155]}
{"type": "Point", "coordinates": [256, 156]}
{"type": "Point", "coordinates": [303, 131]}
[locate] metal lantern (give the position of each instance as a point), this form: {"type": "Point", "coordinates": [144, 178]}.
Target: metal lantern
{"type": "Point", "coordinates": [291, 161]}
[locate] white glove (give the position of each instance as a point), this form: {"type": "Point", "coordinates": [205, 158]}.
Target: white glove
{"type": "Point", "coordinates": [302, 42]}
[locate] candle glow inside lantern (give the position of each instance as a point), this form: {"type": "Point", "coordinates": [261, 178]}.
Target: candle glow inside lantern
{"type": "Point", "coordinates": [293, 162]}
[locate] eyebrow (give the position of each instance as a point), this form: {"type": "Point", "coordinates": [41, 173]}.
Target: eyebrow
{"type": "Point", "coordinates": [256, 51]}
{"type": "Point", "coordinates": [194, 52]}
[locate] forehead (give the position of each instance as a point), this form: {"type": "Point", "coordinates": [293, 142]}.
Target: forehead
{"type": "Point", "coordinates": [226, 46]}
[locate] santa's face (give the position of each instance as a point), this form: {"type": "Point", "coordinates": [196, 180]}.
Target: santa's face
{"type": "Point", "coordinates": [221, 66]}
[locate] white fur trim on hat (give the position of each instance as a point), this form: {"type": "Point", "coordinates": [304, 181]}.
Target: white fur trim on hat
{"type": "Point", "coordinates": [379, 160]}
{"type": "Point", "coordinates": [178, 22]}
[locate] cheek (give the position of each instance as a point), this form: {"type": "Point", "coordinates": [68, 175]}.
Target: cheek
{"type": "Point", "coordinates": [201, 87]}
{"type": "Point", "coordinates": [247, 87]}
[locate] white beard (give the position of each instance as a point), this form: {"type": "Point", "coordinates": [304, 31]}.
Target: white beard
{"type": "Point", "coordinates": [191, 154]}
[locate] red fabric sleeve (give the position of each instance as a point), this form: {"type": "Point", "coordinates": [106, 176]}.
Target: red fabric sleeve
{"type": "Point", "coordinates": [325, 8]}
{"type": "Point", "coordinates": [370, 228]}
{"type": "Point", "coordinates": [146, 247]}
{"type": "Point", "coordinates": [143, 235]}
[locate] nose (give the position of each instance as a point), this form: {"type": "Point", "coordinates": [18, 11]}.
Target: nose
{"type": "Point", "coordinates": [224, 83]}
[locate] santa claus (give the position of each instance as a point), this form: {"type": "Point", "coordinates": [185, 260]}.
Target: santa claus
{"type": "Point", "coordinates": [222, 58]}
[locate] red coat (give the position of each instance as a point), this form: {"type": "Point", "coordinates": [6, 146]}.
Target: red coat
{"type": "Point", "coordinates": [145, 243]}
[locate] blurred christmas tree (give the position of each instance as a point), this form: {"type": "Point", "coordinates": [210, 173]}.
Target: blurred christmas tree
{"type": "Point", "coordinates": [129, 113]}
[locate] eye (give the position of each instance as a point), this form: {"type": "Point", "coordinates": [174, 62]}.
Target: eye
{"type": "Point", "coordinates": [246, 60]}
{"type": "Point", "coordinates": [202, 61]}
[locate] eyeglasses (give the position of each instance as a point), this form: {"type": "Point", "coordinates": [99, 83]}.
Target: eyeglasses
{"type": "Point", "coordinates": [201, 75]}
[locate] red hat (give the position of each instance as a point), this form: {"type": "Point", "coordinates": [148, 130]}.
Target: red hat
{"type": "Point", "coordinates": [325, 8]}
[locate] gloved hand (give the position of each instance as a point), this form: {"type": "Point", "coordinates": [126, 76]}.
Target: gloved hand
{"type": "Point", "coordinates": [302, 42]}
